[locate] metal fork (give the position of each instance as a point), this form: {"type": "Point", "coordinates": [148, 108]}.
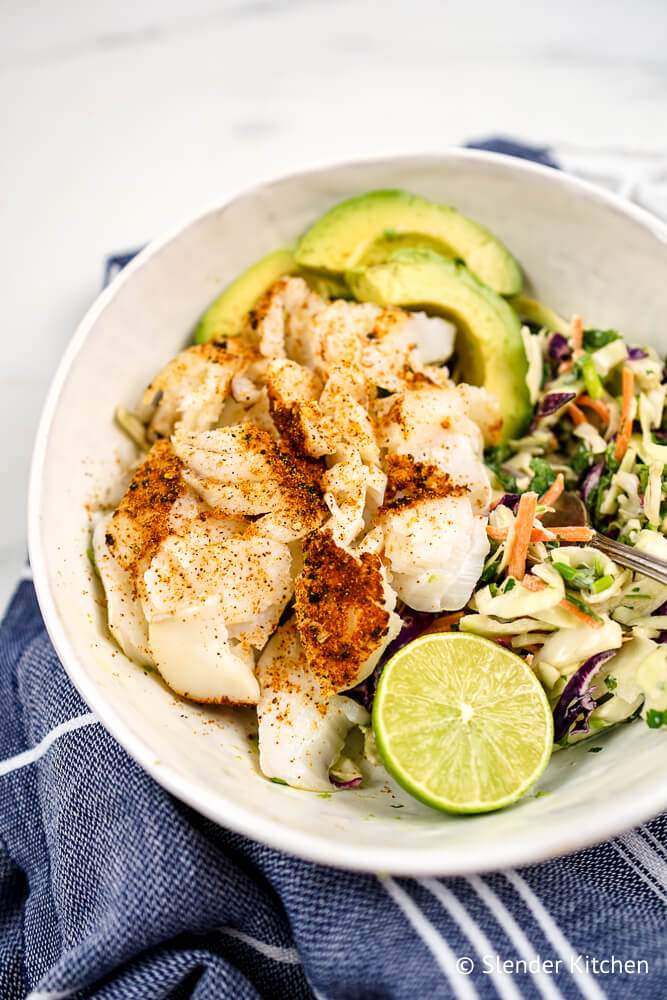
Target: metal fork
{"type": "Point", "coordinates": [570, 509]}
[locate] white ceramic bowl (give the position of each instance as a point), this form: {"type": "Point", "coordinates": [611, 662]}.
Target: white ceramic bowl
{"type": "Point", "coordinates": [582, 251]}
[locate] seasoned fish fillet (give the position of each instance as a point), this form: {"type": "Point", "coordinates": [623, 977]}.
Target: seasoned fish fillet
{"type": "Point", "coordinates": [344, 612]}
{"type": "Point", "coordinates": [302, 730]}
{"type": "Point", "coordinates": [243, 472]}
{"type": "Point", "coordinates": [190, 392]}
{"type": "Point", "coordinates": [326, 458]}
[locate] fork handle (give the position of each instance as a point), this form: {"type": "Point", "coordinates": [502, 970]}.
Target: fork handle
{"type": "Point", "coordinates": [631, 558]}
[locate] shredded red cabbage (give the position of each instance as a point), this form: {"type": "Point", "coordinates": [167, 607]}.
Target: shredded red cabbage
{"type": "Point", "coordinates": [637, 353]}
{"type": "Point", "coordinates": [591, 480]}
{"type": "Point", "coordinates": [662, 610]}
{"type": "Point", "coordinates": [576, 703]}
{"type": "Point", "coordinates": [554, 401]}
{"type": "Point", "coordinates": [559, 348]}
{"type": "Point", "coordinates": [510, 500]}
{"type": "Point", "coordinates": [352, 783]}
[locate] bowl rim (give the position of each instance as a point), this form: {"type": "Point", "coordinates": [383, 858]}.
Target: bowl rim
{"type": "Point", "coordinates": [628, 810]}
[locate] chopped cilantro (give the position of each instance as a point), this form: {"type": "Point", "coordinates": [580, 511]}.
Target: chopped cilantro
{"type": "Point", "coordinates": [656, 719]}
{"type": "Point", "coordinates": [595, 749]}
{"type": "Point", "coordinates": [490, 572]}
{"type": "Point", "coordinates": [543, 475]}
{"type": "Point", "coordinates": [611, 682]}
{"type": "Point", "coordinates": [582, 458]}
{"type": "Point", "coordinates": [510, 584]}
{"type": "Point", "coordinates": [595, 339]}
{"type": "Point", "coordinates": [642, 472]}
{"type": "Point", "coordinates": [611, 461]}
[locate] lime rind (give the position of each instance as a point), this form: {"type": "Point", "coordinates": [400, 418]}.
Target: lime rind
{"type": "Point", "coordinates": [424, 742]}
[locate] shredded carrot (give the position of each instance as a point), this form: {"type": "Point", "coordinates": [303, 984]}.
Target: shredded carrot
{"type": "Point", "coordinates": [625, 431]}
{"type": "Point", "coordinates": [573, 533]}
{"type": "Point", "coordinates": [549, 498]}
{"type": "Point", "coordinates": [597, 406]}
{"type": "Point", "coordinates": [444, 623]}
{"type": "Point", "coordinates": [533, 583]}
{"type": "Point", "coordinates": [566, 533]}
{"type": "Point", "coordinates": [522, 531]}
{"type": "Point", "coordinates": [542, 535]}
{"type": "Point", "coordinates": [578, 613]}
{"type": "Point", "coordinates": [577, 334]}
{"type": "Point", "coordinates": [536, 535]}
{"type": "Point", "coordinates": [565, 366]}
{"type": "Point", "coordinates": [578, 417]}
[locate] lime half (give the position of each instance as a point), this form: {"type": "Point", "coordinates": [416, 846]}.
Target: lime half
{"type": "Point", "coordinates": [462, 723]}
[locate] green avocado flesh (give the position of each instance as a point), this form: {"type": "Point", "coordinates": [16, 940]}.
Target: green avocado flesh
{"type": "Point", "coordinates": [226, 315]}
{"type": "Point", "coordinates": [488, 345]}
{"type": "Point", "coordinates": [531, 311]}
{"type": "Point", "coordinates": [363, 229]}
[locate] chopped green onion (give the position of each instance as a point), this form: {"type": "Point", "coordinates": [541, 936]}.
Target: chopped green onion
{"type": "Point", "coordinates": [602, 584]}
{"type": "Point", "coordinates": [592, 381]}
{"type": "Point", "coordinates": [581, 578]}
{"type": "Point", "coordinates": [578, 603]}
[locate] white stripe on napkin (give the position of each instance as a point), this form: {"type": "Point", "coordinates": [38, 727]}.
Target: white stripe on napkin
{"type": "Point", "coordinates": [650, 859]}
{"type": "Point", "coordinates": [52, 994]}
{"type": "Point", "coordinates": [473, 932]}
{"type": "Point", "coordinates": [623, 851]}
{"type": "Point", "coordinates": [586, 984]}
{"type": "Point", "coordinates": [30, 756]}
{"type": "Point", "coordinates": [288, 956]}
{"type": "Point", "coordinates": [541, 980]}
{"type": "Point", "coordinates": [442, 953]}
{"type": "Point", "coordinates": [646, 833]}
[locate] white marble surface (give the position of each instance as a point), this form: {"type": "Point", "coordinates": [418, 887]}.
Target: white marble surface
{"type": "Point", "coordinates": [119, 119]}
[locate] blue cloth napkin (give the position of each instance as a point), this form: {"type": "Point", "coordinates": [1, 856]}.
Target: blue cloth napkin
{"type": "Point", "coordinates": [110, 888]}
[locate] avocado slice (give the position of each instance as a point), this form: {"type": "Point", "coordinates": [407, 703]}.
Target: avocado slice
{"type": "Point", "coordinates": [225, 316]}
{"type": "Point", "coordinates": [328, 286]}
{"type": "Point", "coordinates": [488, 345]}
{"type": "Point", "coordinates": [365, 226]}
{"type": "Point", "coordinates": [531, 311]}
